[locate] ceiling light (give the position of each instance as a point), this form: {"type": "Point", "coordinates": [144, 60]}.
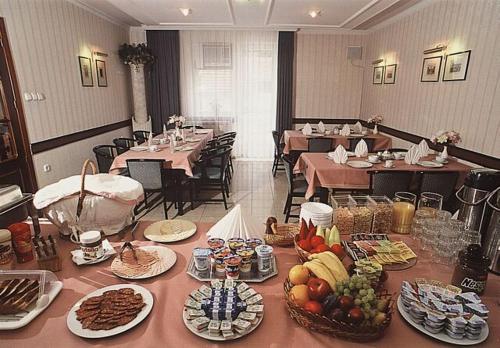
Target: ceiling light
{"type": "Point", "coordinates": [185, 11]}
{"type": "Point", "coordinates": [314, 13]}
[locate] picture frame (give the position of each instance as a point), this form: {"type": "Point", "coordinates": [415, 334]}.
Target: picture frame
{"type": "Point", "coordinates": [378, 73]}
{"type": "Point", "coordinates": [86, 71]}
{"type": "Point", "coordinates": [390, 74]}
{"type": "Point", "coordinates": [102, 76]}
{"type": "Point", "coordinates": [431, 69]}
{"type": "Point", "coordinates": [456, 66]}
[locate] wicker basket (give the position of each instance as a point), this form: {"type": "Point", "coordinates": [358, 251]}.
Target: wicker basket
{"type": "Point", "coordinates": [324, 325]}
{"type": "Point", "coordinates": [283, 235]}
{"type": "Point", "coordinates": [303, 255]}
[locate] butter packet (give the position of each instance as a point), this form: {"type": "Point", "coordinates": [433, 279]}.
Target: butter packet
{"type": "Point", "coordinates": [241, 324]}
{"type": "Point", "coordinates": [198, 296]}
{"type": "Point", "coordinates": [205, 290]}
{"type": "Point", "coordinates": [251, 317]}
{"type": "Point", "coordinates": [201, 323]}
{"type": "Point", "coordinates": [469, 297]}
{"type": "Point", "coordinates": [216, 284]}
{"type": "Point", "coordinates": [195, 313]}
{"type": "Point", "coordinates": [229, 283]}
{"type": "Point", "coordinates": [256, 299]}
{"type": "Point", "coordinates": [226, 325]}
{"type": "Point", "coordinates": [258, 309]}
{"type": "Point", "coordinates": [248, 293]}
{"type": "Point", "coordinates": [242, 287]}
{"type": "Point", "coordinates": [190, 303]}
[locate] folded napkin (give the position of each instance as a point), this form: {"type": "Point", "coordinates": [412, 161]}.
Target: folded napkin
{"type": "Point", "coordinates": [321, 127]}
{"type": "Point", "coordinates": [150, 139]}
{"type": "Point", "coordinates": [424, 148]}
{"type": "Point", "coordinates": [361, 149]}
{"type": "Point", "coordinates": [358, 128]}
{"type": "Point", "coordinates": [413, 155]}
{"type": "Point", "coordinates": [236, 224]}
{"type": "Point", "coordinates": [78, 253]}
{"type": "Point", "coordinates": [345, 131]}
{"type": "Point", "coordinates": [339, 155]}
{"type": "Point", "coordinates": [307, 130]}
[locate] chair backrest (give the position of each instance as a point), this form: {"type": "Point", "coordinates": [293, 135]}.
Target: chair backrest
{"type": "Point", "coordinates": [141, 136]}
{"type": "Point", "coordinates": [189, 127]}
{"type": "Point", "coordinates": [442, 182]}
{"type": "Point", "coordinates": [227, 135]}
{"type": "Point", "coordinates": [276, 138]}
{"type": "Point", "coordinates": [319, 144]}
{"type": "Point", "coordinates": [123, 144]}
{"type": "Point", "coordinates": [388, 182]}
{"type": "Point", "coordinates": [288, 162]}
{"type": "Point", "coordinates": [397, 149]}
{"type": "Point", "coordinates": [354, 141]}
{"type": "Point", "coordinates": [105, 154]}
{"type": "Point", "coordinates": [149, 172]}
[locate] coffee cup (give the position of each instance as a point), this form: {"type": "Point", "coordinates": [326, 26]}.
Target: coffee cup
{"type": "Point", "coordinates": [373, 158]}
{"type": "Point", "coordinates": [397, 155]}
{"type": "Point", "coordinates": [389, 163]}
{"type": "Point", "coordinates": [365, 132]}
{"type": "Point", "coordinates": [163, 141]}
{"type": "Point", "coordinates": [153, 148]}
{"type": "Point", "coordinates": [440, 159]}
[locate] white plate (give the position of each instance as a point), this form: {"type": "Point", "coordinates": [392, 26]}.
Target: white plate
{"type": "Point", "coordinates": [429, 164]}
{"type": "Point", "coordinates": [205, 335]}
{"type": "Point", "coordinates": [315, 208]}
{"type": "Point", "coordinates": [182, 229]}
{"type": "Point", "coordinates": [139, 148]}
{"type": "Point", "coordinates": [356, 135]}
{"type": "Point", "coordinates": [168, 258]}
{"type": "Point", "coordinates": [202, 131]}
{"type": "Point", "coordinates": [350, 154]}
{"type": "Point", "coordinates": [55, 288]}
{"type": "Point", "coordinates": [192, 140]}
{"type": "Point", "coordinates": [93, 262]}
{"type": "Point", "coordinates": [359, 164]}
{"type": "Point", "coordinates": [436, 161]}
{"type": "Point", "coordinates": [76, 327]}
{"type": "Point", "coordinates": [442, 336]}
{"type": "Point", "coordinates": [187, 148]}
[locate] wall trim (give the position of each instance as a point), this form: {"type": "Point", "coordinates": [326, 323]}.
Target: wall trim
{"type": "Point", "coordinates": [53, 143]}
{"type": "Point", "coordinates": [461, 153]}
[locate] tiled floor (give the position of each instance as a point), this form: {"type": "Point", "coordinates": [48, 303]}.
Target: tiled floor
{"type": "Point", "coordinates": [253, 187]}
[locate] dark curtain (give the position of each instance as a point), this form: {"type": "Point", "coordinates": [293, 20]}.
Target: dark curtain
{"type": "Point", "coordinates": [162, 77]}
{"type": "Point", "coordinates": [286, 52]}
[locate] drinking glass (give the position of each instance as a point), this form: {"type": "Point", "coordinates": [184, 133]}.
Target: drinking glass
{"type": "Point", "coordinates": [430, 201]}
{"type": "Point", "coordinates": [417, 226]}
{"type": "Point", "coordinates": [446, 242]}
{"type": "Point", "coordinates": [402, 213]}
{"type": "Point", "coordinates": [469, 236]}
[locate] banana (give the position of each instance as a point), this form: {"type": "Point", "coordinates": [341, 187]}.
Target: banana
{"type": "Point", "coordinates": [321, 271]}
{"type": "Point", "coordinates": [332, 262]}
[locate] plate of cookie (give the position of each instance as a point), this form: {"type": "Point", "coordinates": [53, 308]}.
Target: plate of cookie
{"type": "Point", "coordinates": [110, 311]}
{"type": "Point", "coordinates": [224, 310]}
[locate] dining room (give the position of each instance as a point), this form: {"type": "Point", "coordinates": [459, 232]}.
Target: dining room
{"type": "Point", "coordinates": [353, 128]}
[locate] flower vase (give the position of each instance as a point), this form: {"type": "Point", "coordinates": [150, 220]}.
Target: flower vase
{"type": "Point", "coordinates": [444, 154]}
{"type": "Point", "coordinates": [178, 135]}
{"type": "Point", "coordinates": [375, 129]}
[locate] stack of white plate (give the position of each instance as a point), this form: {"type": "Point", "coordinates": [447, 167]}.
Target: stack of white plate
{"type": "Point", "coordinates": [320, 213]}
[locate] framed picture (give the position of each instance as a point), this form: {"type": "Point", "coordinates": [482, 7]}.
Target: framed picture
{"type": "Point", "coordinates": [431, 69]}
{"type": "Point", "coordinates": [102, 77]}
{"type": "Point", "coordinates": [378, 72]}
{"type": "Point", "coordinates": [390, 74]}
{"type": "Point", "coordinates": [86, 71]}
{"type": "Point", "coordinates": [455, 66]}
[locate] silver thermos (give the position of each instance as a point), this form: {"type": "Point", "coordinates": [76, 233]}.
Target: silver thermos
{"type": "Point", "coordinates": [491, 240]}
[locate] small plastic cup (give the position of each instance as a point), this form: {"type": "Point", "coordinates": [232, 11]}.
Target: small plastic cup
{"type": "Point", "coordinates": [201, 258]}
{"type": "Point", "coordinates": [264, 258]}
{"type": "Point", "coordinates": [246, 254]}
{"type": "Point", "coordinates": [218, 257]}
{"type": "Point", "coordinates": [235, 243]}
{"type": "Point", "coordinates": [254, 243]}
{"type": "Point", "coordinates": [215, 243]}
{"type": "Point", "coordinates": [232, 266]}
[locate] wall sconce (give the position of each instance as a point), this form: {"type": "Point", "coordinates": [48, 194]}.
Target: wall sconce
{"type": "Point", "coordinates": [378, 61]}
{"type": "Point", "coordinates": [438, 48]}
{"type": "Point", "coordinates": [100, 54]}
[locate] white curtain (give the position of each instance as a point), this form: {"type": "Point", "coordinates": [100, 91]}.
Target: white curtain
{"type": "Point", "coordinates": [228, 82]}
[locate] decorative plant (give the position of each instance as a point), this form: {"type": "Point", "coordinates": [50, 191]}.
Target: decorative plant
{"type": "Point", "coordinates": [135, 54]}
{"type": "Point", "coordinates": [178, 120]}
{"type": "Point", "coordinates": [446, 138]}
{"type": "Point", "coordinates": [376, 119]}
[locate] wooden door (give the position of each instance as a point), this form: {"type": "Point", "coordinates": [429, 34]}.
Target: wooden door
{"type": "Point", "coordinates": [16, 163]}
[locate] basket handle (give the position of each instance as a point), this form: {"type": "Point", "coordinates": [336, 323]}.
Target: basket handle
{"type": "Point", "coordinates": [79, 206]}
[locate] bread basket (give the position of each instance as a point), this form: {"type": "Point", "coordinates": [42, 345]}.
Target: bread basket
{"type": "Point", "coordinates": [283, 234]}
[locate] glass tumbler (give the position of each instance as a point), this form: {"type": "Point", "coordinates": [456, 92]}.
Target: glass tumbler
{"type": "Point", "coordinates": [403, 209]}
{"type": "Point", "coordinates": [417, 226]}
{"type": "Point", "coordinates": [446, 243]}
{"type": "Point", "coordinates": [430, 201]}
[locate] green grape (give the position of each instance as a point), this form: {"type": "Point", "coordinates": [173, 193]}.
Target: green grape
{"type": "Point", "coordinates": [366, 307]}
{"type": "Point", "coordinates": [370, 297]}
{"type": "Point", "coordinates": [366, 286]}
{"type": "Point", "coordinates": [357, 302]}
{"type": "Point", "coordinates": [359, 285]}
{"type": "Point", "coordinates": [362, 292]}
{"type": "Point", "coordinates": [364, 299]}
{"type": "Point", "coordinates": [367, 316]}
{"type": "Point", "coordinates": [341, 289]}
{"type": "Point", "coordinates": [373, 313]}
{"type": "Point", "coordinates": [355, 277]}
{"type": "Point", "coordinates": [347, 292]}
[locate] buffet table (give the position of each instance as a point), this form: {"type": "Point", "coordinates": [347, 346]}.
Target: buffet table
{"type": "Point", "coordinates": [164, 325]}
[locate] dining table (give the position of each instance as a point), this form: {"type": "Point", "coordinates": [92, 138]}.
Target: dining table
{"type": "Point", "coordinates": [321, 171]}
{"type": "Point", "coordinates": [295, 140]}
{"type": "Point", "coordinates": [164, 326]}
{"type": "Point", "coordinates": [182, 158]}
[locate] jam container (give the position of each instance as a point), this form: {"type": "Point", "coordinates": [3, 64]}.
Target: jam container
{"type": "Point", "coordinates": [246, 254]}
{"type": "Point", "coordinates": [218, 257]}
{"type": "Point", "coordinates": [254, 243]}
{"type": "Point", "coordinates": [471, 272]}
{"type": "Point", "coordinates": [21, 241]}
{"type": "Point", "coordinates": [264, 257]}
{"type": "Point", "coordinates": [232, 266]}
{"type": "Point", "coordinates": [235, 243]}
{"type": "Point", "coordinates": [6, 256]}
{"type": "Point", "coordinates": [215, 243]}
{"type": "Point", "coordinates": [91, 245]}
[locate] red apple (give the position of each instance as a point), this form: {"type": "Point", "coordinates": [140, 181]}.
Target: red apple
{"type": "Point", "coordinates": [305, 245]}
{"type": "Point", "coordinates": [322, 247]}
{"type": "Point", "coordinates": [346, 303]}
{"type": "Point", "coordinates": [313, 307]}
{"type": "Point", "coordinates": [338, 250]}
{"type": "Point", "coordinates": [355, 315]}
{"type": "Point", "coordinates": [317, 240]}
{"type": "Point", "coordinates": [318, 288]}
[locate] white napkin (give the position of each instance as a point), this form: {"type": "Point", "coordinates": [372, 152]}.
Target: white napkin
{"type": "Point", "coordinates": [345, 131]}
{"type": "Point", "coordinates": [165, 134]}
{"type": "Point", "coordinates": [339, 155]}
{"type": "Point", "coordinates": [321, 127]}
{"type": "Point", "coordinates": [358, 128]}
{"type": "Point", "coordinates": [236, 225]}
{"type": "Point", "coordinates": [150, 139]}
{"type": "Point", "coordinates": [424, 148]}
{"type": "Point", "coordinates": [413, 155]}
{"type": "Point", "coordinates": [78, 253]}
{"type": "Point", "coordinates": [361, 149]}
{"type": "Point", "coordinates": [307, 130]}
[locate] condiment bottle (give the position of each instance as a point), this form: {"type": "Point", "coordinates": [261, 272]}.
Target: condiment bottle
{"type": "Point", "coordinates": [6, 256]}
{"type": "Point", "coordinates": [471, 272]}
{"type": "Point", "coordinates": [21, 241]}
{"type": "Point", "coordinates": [91, 245]}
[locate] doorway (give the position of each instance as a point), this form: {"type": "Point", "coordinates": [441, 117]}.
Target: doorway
{"type": "Point", "coordinates": [16, 162]}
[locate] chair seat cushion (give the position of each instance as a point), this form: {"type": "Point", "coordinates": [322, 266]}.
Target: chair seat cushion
{"type": "Point", "coordinates": [300, 186]}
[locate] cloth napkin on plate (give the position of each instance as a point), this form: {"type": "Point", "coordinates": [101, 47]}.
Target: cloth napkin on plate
{"type": "Point", "coordinates": [321, 127]}
{"type": "Point", "coordinates": [339, 155]}
{"type": "Point", "coordinates": [345, 131]}
{"type": "Point", "coordinates": [307, 130]}
{"type": "Point", "coordinates": [361, 149]}
{"type": "Point", "coordinates": [424, 148]}
{"type": "Point", "coordinates": [413, 155]}
{"type": "Point", "coordinates": [358, 128]}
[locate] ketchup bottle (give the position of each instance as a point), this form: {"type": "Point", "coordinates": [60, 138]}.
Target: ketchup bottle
{"type": "Point", "coordinates": [21, 241]}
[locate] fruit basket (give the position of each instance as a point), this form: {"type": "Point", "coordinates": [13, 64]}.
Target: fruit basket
{"type": "Point", "coordinates": [303, 255]}
{"type": "Point", "coordinates": [335, 328]}
{"type": "Point", "coordinates": [283, 234]}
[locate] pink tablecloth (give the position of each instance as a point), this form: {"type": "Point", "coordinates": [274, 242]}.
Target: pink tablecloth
{"type": "Point", "coordinates": [320, 171]}
{"type": "Point", "coordinates": [164, 326]}
{"type": "Point", "coordinates": [295, 140]}
{"type": "Point", "coordinates": [180, 159]}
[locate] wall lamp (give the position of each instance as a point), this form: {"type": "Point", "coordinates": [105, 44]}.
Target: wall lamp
{"type": "Point", "coordinates": [438, 48]}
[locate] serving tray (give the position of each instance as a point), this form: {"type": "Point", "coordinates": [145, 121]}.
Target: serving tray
{"type": "Point", "coordinates": [254, 276]}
